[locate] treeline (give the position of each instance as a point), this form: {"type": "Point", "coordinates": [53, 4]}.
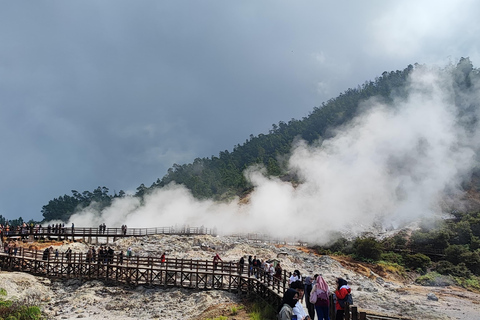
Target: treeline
{"type": "Point", "coordinates": [446, 253]}
{"type": "Point", "coordinates": [220, 177]}
{"type": "Point", "coordinates": [63, 207]}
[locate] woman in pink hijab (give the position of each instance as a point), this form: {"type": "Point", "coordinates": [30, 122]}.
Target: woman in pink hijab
{"type": "Point", "coordinates": [322, 293]}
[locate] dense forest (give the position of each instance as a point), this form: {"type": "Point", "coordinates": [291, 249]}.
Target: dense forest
{"type": "Point", "coordinates": [443, 254]}
{"type": "Point", "coordinates": [221, 177]}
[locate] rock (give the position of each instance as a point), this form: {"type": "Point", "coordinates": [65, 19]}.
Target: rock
{"type": "Point", "coordinates": [432, 296]}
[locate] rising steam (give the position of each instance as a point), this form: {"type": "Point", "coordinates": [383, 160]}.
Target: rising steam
{"type": "Point", "coordinates": [393, 164]}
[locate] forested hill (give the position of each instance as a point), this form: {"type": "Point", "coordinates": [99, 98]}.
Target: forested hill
{"type": "Point", "coordinates": [221, 176]}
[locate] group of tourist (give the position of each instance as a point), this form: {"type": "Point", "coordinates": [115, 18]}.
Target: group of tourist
{"type": "Point", "coordinates": [56, 228]}
{"type": "Point", "coordinates": [56, 253]}
{"type": "Point", "coordinates": [256, 267]}
{"type": "Point", "coordinates": [10, 248]}
{"type": "Point", "coordinates": [20, 229]}
{"type": "Point", "coordinates": [102, 228]}
{"type": "Point", "coordinates": [317, 294]}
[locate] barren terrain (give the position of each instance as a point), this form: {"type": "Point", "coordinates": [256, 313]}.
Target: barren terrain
{"type": "Point", "coordinates": [374, 290]}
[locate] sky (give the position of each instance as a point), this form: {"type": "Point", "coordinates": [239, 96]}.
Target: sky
{"type": "Point", "coordinates": [113, 93]}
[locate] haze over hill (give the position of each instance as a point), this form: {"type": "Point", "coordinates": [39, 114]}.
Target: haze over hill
{"type": "Point", "coordinates": [113, 93]}
{"type": "Point", "coordinates": [394, 163]}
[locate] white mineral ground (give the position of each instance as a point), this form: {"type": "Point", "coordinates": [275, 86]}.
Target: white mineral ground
{"type": "Point", "coordinates": [374, 293]}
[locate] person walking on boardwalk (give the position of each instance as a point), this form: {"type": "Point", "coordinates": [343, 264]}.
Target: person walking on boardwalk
{"type": "Point", "coordinates": [341, 293]}
{"type": "Point", "coordinates": [241, 265]}
{"type": "Point", "coordinates": [162, 258]}
{"type": "Point", "coordinates": [120, 257]}
{"type": "Point", "coordinates": [278, 272]}
{"type": "Point", "coordinates": [290, 298]}
{"type": "Point", "coordinates": [250, 266]}
{"type": "Point", "coordinates": [216, 259]}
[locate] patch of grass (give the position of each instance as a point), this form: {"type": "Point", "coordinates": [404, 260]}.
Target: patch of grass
{"type": "Point", "coordinates": [434, 279]}
{"type": "Point", "coordinates": [218, 318]}
{"type": "Point", "coordinates": [18, 310]}
{"type": "Point", "coordinates": [261, 311]}
{"type": "Point", "coordinates": [392, 267]}
{"type": "Point", "coordinates": [472, 283]}
{"type": "Point", "coordinates": [234, 310]}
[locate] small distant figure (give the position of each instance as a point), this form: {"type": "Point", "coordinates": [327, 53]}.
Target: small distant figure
{"type": "Point", "coordinates": [241, 265]}
{"type": "Point", "coordinates": [162, 258]}
{"type": "Point", "coordinates": [294, 277]}
{"type": "Point", "coordinates": [120, 257]}
{"type": "Point", "coordinates": [68, 254]}
{"type": "Point", "coordinates": [129, 253]}
{"type": "Point", "coordinates": [45, 254]}
{"type": "Point", "coordinates": [250, 266]}
{"type": "Point", "coordinates": [73, 227]}
{"type": "Point", "coordinates": [216, 259]}
{"type": "Point", "coordinates": [278, 272]}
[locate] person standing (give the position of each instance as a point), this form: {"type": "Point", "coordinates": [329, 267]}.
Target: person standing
{"type": "Point", "coordinates": [294, 277]}
{"type": "Point", "coordinates": [308, 290]}
{"type": "Point", "coordinates": [341, 293]}
{"type": "Point", "coordinates": [298, 309]}
{"type": "Point", "coordinates": [278, 272]}
{"type": "Point", "coordinates": [290, 299]}
{"type": "Point", "coordinates": [321, 292]}
{"type": "Point", "coordinates": [216, 259]}
{"type": "Point", "coordinates": [120, 257]}
{"type": "Point", "coordinates": [241, 265]}
{"type": "Point", "coordinates": [250, 266]}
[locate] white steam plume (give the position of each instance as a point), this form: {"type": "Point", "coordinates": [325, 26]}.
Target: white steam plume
{"type": "Point", "coordinates": [392, 164]}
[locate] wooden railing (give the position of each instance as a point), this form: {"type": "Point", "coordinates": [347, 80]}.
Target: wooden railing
{"type": "Point", "coordinates": [107, 232]}
{"type": "Point", "coordinates": [187, 273]}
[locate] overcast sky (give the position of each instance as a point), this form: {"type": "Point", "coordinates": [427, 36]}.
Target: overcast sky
{"type": "Point", "coordinates": [113, 93]}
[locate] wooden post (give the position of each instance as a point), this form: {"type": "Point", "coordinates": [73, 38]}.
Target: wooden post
{"type": "Point", "coordinates": [354, 313]}
{"type": "Point", "coordinates": [363, 315]}
{"type": "Point", "coordinates": [331, 308]}
{"type": "Point", "coordinates": [347, 311]}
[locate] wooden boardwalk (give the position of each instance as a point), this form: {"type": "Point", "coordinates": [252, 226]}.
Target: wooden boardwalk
{"type": "Point", "coordinates": [171, 272]}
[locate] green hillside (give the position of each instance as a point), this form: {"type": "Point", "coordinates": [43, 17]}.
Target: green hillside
{"type": "Point", "coordinates": [221, 177]}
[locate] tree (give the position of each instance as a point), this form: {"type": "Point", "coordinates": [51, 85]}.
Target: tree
{"type": "Point", "coordinates": [367, 248]}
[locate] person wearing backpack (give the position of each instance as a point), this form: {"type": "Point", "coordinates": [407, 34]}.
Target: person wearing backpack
{"type": "Point", "coordinates": [343, 290]}
{"type": "Point", "coordinates": [320, 298]}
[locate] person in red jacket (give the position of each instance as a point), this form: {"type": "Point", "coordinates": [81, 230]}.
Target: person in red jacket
{"type": "Point", "coordinates": [341, 293]}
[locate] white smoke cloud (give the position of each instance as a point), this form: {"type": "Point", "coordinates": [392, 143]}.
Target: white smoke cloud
{"type": "Point", "coordinates": [393, 164]}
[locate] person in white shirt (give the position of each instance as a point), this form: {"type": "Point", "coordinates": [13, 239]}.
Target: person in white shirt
{"type": "Point", "coordinates": [294, 277]}
{"type": "Point", "coordinates": [298, 309]}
